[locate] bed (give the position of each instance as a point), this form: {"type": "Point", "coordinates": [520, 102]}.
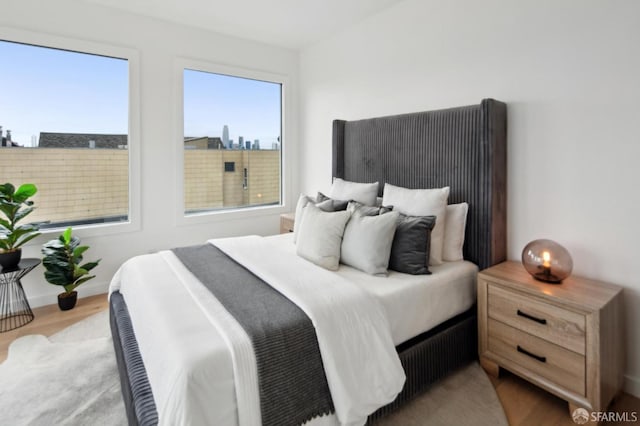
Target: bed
{"type": "Point", "coordinates": [463, 148]}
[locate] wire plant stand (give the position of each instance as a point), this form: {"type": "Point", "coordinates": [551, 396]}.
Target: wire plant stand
{"type": "Point", "coordinates": [14, 306]}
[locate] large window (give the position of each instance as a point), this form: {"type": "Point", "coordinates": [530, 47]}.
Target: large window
{"type": "Point", "coordinates": [232, 142]}
{"type": "Point", "coordinates": [64, 117]}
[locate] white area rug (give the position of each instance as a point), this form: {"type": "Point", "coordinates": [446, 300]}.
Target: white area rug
{"type": "Point", "coordinates": [71, 378]}
{"type": "Point", "coordinates": [466, 398]}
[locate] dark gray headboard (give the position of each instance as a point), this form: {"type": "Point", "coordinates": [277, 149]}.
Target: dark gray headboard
{"type": "Point", "coordinates": [464, 148]}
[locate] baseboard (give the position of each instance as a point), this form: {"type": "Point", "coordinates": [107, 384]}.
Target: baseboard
{"type": "Point", "coordinates": [85, 290]}
{"type": "Point", "coordinates": [632, 385]}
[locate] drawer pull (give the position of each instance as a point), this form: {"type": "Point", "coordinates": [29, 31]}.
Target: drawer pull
{"type": "Point", "coordinates": [534, 356]}
{"type": "Point", "coordinates": [531, 317]}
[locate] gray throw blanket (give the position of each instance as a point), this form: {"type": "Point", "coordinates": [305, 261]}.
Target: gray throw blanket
{"type": "Point", "coordinates": [292, 382]}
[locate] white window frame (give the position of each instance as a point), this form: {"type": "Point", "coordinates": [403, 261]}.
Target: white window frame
{"type": "Point", "coordinates": [133, 59]}
{"type": "Point", "coordinates": [213, 216]}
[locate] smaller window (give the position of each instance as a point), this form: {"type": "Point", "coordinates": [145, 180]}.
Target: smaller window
{"type": "Point", "coordinates": [229, 166]}
{"type": "Point", "coordinates": [245, 179]}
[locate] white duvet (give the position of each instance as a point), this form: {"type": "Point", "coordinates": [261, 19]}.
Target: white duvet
{"type": "Point", "coordinates": [199, 360]}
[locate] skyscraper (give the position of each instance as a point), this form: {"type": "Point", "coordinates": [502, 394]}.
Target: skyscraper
{"type": "Point", "coordinates": [225, 136]}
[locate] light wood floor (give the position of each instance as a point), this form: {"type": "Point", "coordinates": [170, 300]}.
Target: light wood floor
{"type": "Point", "coordinates": [524, 404]}
{"type": "Point", "coordinates": [527, 405]}
{"type": "Point", "coordinates": [50, 319]}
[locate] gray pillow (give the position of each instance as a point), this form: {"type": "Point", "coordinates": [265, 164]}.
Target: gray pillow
{"type": "Point", "coordinates": [411, 244]}
{"type": "Point", "coordinates": [354, 206]}
{"type": "Point", "coordinates": [329, 204]}
{"type": "Point", "coordinates": [367, 241]}
{"type": "Point", "coordinates": [320, 236]}
{"type": "Point", "coordinates": [323, 202]}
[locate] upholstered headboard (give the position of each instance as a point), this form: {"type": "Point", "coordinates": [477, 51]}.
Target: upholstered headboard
{"type": "Point", "coordinates": [463, 148]}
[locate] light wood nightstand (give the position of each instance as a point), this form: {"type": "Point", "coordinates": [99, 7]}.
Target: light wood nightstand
{"type": "Point", "coordinates": [565, 338]}
{"type": "Point", "coordinates": [286, 222]}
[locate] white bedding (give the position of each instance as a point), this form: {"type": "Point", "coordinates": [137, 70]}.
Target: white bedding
{"type": "Point", "coordinates": [414, 303]}
{"type": "Point", "coordinates": [199, 338]}
{"type": "Point", "coordinates": [359, 358]}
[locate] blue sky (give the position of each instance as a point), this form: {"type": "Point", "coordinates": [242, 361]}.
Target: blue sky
{"type": "Point", "coordinates": [250, 108]}
{"type": "Point", "coordinates": [51, 90]}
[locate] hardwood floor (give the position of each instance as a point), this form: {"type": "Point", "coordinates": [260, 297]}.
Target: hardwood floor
{"type": "Point", "coordinates": [50, 319]}
{"type": "Point", "coordinates": [528, 405]}
{"type": "Point", "coordinates": [524, 403]}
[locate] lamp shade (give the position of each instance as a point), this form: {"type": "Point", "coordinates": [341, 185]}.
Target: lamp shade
{"type": "Point", "coordinates": [547, 261]}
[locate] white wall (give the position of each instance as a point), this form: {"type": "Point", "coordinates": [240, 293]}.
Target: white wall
{"type": "Point", "coordinates": [157, 44]}
{"type": "Point", "coordinates": [569, 72]}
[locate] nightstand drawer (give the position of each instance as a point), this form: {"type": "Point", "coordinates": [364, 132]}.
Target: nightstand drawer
{"type": "Point", "coordinates": [556, 364]}
{"type": "Point", "coordinates": [546, 321]}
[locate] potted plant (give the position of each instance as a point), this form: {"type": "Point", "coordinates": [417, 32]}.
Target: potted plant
{"type": "Point", "coordinates": [62, 258]}
{"type": "Point", "coordinates": [15, 206]}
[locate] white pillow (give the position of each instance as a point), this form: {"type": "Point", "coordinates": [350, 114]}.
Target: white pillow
{"type": "Point", "coordinates": [322, 201]}
{"type": "Point", "coordinates": [364, 193]}
{"type": "Point", "coordinates": [303, 200]}
{"type": "Point", "coordinates": [320, 236]}
{"type": "Point", "coordinates": [454, 232]}
{"type": "Point", "coordinates": [422, 202]}
{"type": "Point", "coordinates": [367, 241]}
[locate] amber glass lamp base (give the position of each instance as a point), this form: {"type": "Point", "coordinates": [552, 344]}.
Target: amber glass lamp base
{"type": "Point", "coordinates": [547, 261]}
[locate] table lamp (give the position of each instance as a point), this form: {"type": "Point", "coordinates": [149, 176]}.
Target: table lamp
{"type": "Point", "coordinates": [547, 261]}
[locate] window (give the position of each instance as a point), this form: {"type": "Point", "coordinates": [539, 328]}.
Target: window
{"type": "Point", "coordinates": [64, 119]}
{"type": "Point", "coordinates": [231, 123]}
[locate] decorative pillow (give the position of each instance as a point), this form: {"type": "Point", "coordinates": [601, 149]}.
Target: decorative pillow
{"type": "Point", "coordinates": [410, 249]}
{"type": "Point", "coordinates": [422, 202]}
{"type": "Point", "coordinates": [323, 202]}
{"type": "Point", "coordinates": [355, 206]}
{"type": "Point", "coordinates": [367, 241]}
{"type": "Point", "coordinates": [364, 193]}
{"type": "Point", "coordinates": [327, 204]}
{"type": "Point", "coordinates": [454, 232]}
{"type": "Point", "coordinates": [320, 236]}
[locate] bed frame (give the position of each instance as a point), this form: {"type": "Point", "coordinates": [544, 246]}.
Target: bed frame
{"type": "Point", "coordinates": [464, 148]}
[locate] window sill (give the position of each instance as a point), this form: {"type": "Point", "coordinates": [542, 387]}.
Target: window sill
{"type": "Point", "coordinates": [227, 215]}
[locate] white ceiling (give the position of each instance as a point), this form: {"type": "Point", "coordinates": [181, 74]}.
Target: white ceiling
{"type": "Point", "coordinates": [287, 23]}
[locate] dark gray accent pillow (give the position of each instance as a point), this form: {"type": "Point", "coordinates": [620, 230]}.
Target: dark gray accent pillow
{"type": "Point", "coordinates": [367, 210]}
{"type": "Point", "coordinates": [411, 244]}
{"type": "Point", "coordinates": [327, 204]}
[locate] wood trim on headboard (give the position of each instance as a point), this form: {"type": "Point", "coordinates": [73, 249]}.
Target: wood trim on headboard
{"type": "Point", "coordinates": [464, 148]}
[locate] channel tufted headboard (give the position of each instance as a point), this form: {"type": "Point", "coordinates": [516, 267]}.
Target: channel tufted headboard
{"type": "Point", "coordinates": [463, 148]}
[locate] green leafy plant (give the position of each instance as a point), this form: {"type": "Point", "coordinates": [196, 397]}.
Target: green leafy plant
{"type": "Point", "coordinates": [62, 259]}
{"type": "Point", "coordinates": [15, 205]}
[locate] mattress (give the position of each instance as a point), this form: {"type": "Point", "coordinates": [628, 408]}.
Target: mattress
{"type": "Point", "coordinates": [414, 303]}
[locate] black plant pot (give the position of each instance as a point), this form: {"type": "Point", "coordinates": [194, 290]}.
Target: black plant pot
{"type": "Point", "coordinates": [67, 301]}
{"type": "Point", "coordinates": [10, 259]}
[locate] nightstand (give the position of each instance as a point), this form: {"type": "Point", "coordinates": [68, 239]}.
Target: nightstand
{"type": "Point", "coordinates": [566, 338]}
{"type": "Point", "coordinates": [286, 222]}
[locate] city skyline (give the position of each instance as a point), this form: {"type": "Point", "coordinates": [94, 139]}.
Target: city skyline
{"type": "Point", "coordinates": [57, 91]}
{"type": "Point", "coordinates": [213, 101]}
